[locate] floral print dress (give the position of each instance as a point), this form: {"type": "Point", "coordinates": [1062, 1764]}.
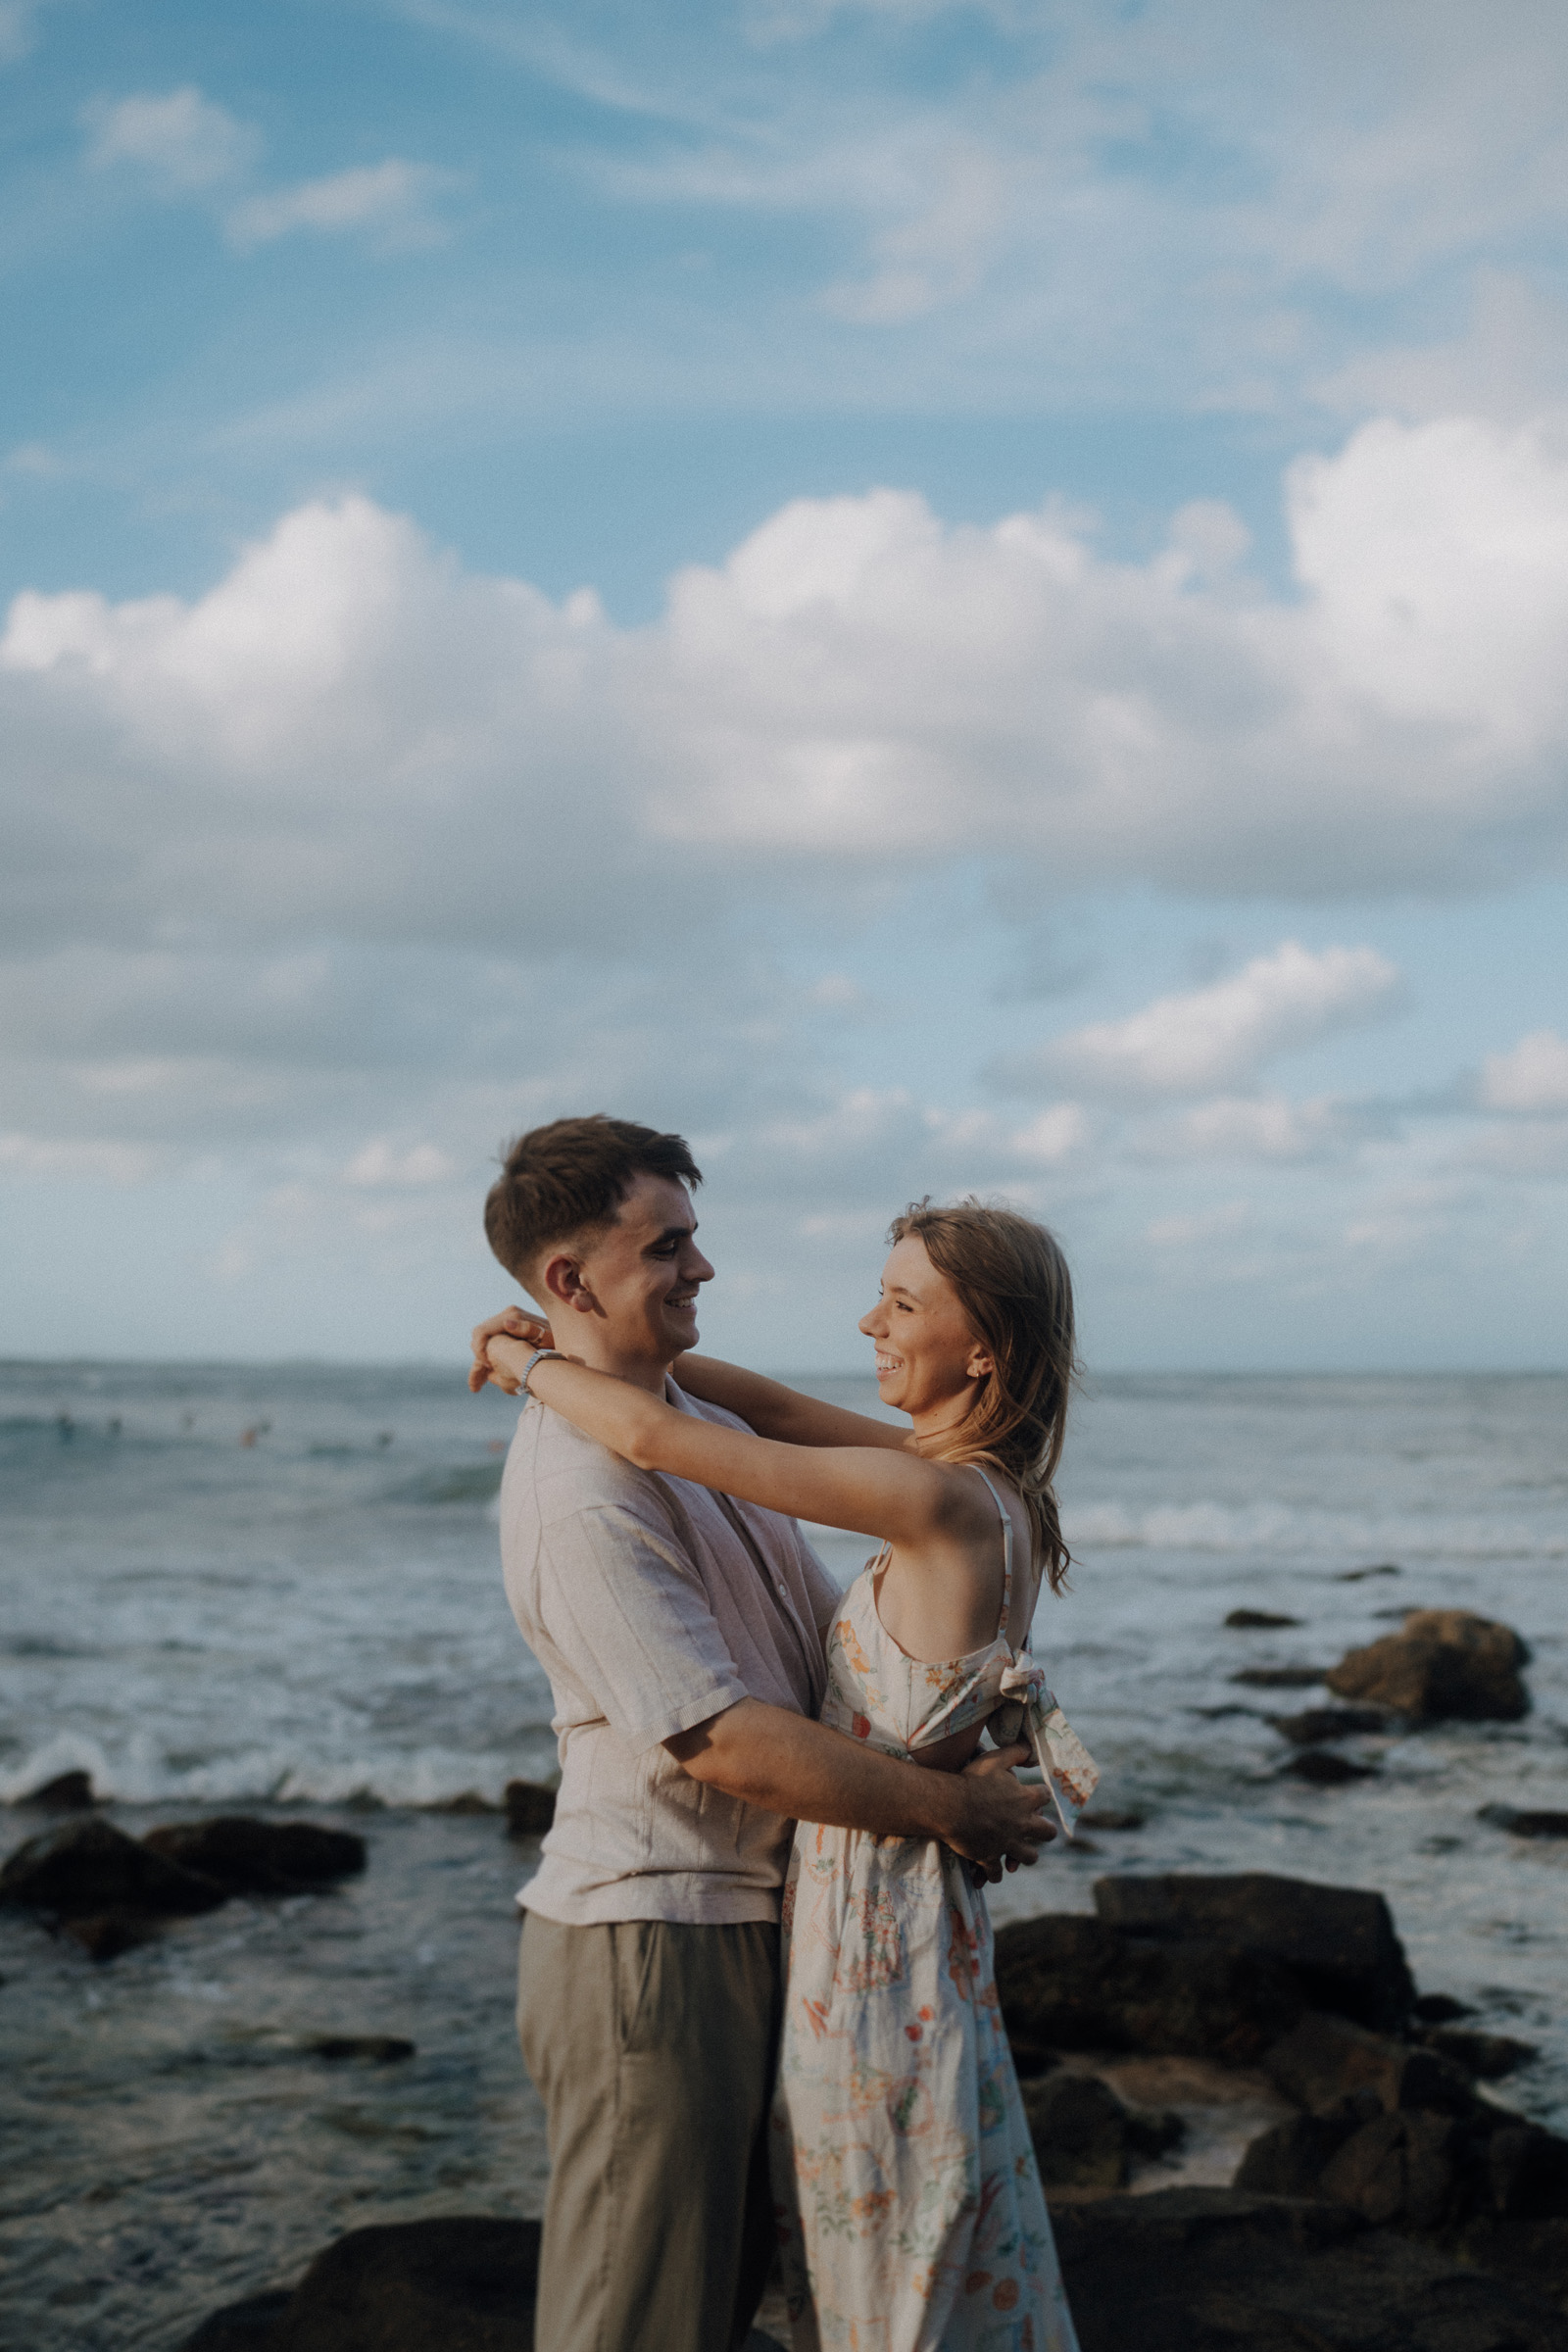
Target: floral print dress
{"type": "Point", "coordinates": [909, 2206]}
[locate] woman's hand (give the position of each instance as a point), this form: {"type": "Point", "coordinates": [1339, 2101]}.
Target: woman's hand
{"type": "Point", "coordinates": [514, 1323]}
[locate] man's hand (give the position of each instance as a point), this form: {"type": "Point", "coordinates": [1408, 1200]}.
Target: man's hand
{"type": "Point", "coordinates": [516, 1323]}
{"type": "Point", "coordinates": [1004, 1820]}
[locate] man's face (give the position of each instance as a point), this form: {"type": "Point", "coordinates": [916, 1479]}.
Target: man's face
{"type": "Point", "coordinates": [643, 1273]}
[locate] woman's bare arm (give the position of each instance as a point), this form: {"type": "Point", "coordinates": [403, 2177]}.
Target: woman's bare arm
{"type": "Point", "coordinates": [877, 1490]}
{"type": "Point", "coordinates": [775, 1410]}
{"type": "Point", "coordinates": [772, 1409]}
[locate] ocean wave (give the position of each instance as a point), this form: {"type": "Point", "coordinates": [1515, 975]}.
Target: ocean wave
{"type": "Point", "coordinates": [1288, 1532]}
{"type": "Point", "coordinates": [410, 1779]}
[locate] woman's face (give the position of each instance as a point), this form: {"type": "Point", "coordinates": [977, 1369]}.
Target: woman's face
{"type": "Point", "coordinates": [926, 1355]}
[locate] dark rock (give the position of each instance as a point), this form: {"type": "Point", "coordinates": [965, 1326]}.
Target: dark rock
{"type": "Point", "coordinates": [1439, 2009]}
{"type": "Point", "coordinates": [87, 1868]}
{"type": "Point", "coordinates": [1324, 2060]}
{"type": "Point", "coordinates": [1446, 1664]}
{"type": "Point", "coordinates": [1359, 1575]}
{"type": "Point", "coordinates": [260, 1857]}
{"type": "Point", "coordinates": [248, 2327]}
{"type": "Point", "coordinates": [1154, 2130]}
{"type": "Point", "coordinates": [1533, 2253]}
{"type": "Point", "coordinates": [1487, 2056]}
{"type": "Point", "coordinates": [1525, 1825]}
{"type": "Point", "coordinates": [110, 1934]}
{"type": "Point", "coordinates": [1281, 1678]}
{"type": "Point", "coordinates": [464, 2285]}
{"type": "Point", "coordinates": [1287, 2160]}
{"type": "Point", "coordinates": [67, 1792]}
{"type": "Point", "coordinates": [1072, 1984]}
{"type": "Point", "coordinates": [470, 1802]}
{"type": "Point", "coordinates": [1079, 2128]}
{"type": "Point", "coordinates": [1338, 1942]}
{"type": "Point", "coordinates": [1317, 1724]}
{"type": "Point", "coordinates": [1222, 2270]}
{"type": "Point", "coordinates": [531, 1808]}
{"type": "Point", "coordinates": [1254, 1621]}
{"type": "Point", "coordinates": [1108, 1818]}
{"type": "Point", "coordinates": [1321, 1768]}
{"type": "Point", "coordinates": [374, 2049]}
{"type": "Point", "coordinates": [1527, 2169]}
{"type": "Point", "coordinates": [1401, 2168]}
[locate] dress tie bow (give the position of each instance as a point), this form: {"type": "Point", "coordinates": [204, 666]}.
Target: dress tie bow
{"type": "Point", "coordinates": [1029, 1711]}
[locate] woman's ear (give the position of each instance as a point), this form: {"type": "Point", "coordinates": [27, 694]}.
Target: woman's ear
{"type": "Point", "coordinates": [978, 1366]}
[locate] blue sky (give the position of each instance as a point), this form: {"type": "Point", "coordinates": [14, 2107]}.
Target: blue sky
{"type": "Point", "coordinates": [942, 597]}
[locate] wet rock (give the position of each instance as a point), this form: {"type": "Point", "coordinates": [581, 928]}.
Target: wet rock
{"type": "Point", "coordinates": [531, 1808]}
{"type": "Point", "coordinates": [1445, 1665]}
{"type": "Point", "coordinates": [1223, 2270]}
{"type": "Point", "coordinates": [1079, 2128]}
{"type": "Point", "coordinates": [1527, 2168]}
{"type": "Point", "coordinates": [1287, 2160]}
{"type": "Point", "coordinates": [1281, 1678]}
{"type": "Point", "coordinates": [1256, 1621]}
{"type": "Point", "coordinates": [1315, 1725]}
{"type": "Point", "coordinates": [470, 1801]}
{"type": "Point", "coordinates": [371, 2050]}
{"type": "Point", "coordinates": [246, 1856]}
{"type": "Point", "coordinates": [1359, 1575]}
{"type": "Point", "coordinates": [248, 2327]}
{"type": "Point", "coordinates": [87, 1869]}
{"type": "Point", "coordinates": [67, 1792]}
{"type": "Point", "coordinates": [1325, 2060]}
{"type": "Point", "coordinates": [1401, 2168]}
{"type": "Point", "coordinates": [1321, 1768]}
{"type": "Point", "coordinates": [1110, 1818]}
{"type": "Point", "coordinates": [1072, 1984]}
{"type": "Point", "coordinates": [107, 1936]}
{"type": "Point", "coordinates": [1534, 2253]}
{"type": "Point", "coordinates": [1489, 2057]}
{"type": "Point", "coordinates": [1524, 1824]}
{"type": "Point", "coordinates": [463, 2284]}
{"type": "Point", "coordinates": [1338, 1942]}
{"type": "Point", "coordinates": [1439, 2009]}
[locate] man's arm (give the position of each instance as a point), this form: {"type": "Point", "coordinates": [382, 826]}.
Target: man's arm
{"type": "Point", "coordinates": [788, 1764]}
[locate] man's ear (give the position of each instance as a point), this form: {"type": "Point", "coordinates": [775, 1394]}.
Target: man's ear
{"type": "Point", "coordinates": [560, 1284]}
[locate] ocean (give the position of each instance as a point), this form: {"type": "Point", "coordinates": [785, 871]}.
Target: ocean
{"type": "Point", "coordinates": [277, 1588]}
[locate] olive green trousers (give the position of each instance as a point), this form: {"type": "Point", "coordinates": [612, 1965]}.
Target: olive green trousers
{"type": "Point", "coordinates": [652, 2046]}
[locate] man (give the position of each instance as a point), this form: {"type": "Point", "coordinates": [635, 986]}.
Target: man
{"type": "Point", "coordinates": [682, 1633]}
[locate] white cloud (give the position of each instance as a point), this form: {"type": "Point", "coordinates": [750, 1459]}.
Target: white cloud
{"type": "Point", "coordinates": [1532, 1076]}
{"type": "Point", "coordinates": [380, 1164]}
{"type": "Point", "coordinates": [1222, 1223]}
{"type": "Point", "coordinates": [93, 1159]}
{"type": "Point", "coordinates": [186, 142]}
{"type": "Point", "coordinates": [392, 199]}
{"type": "Point", "coordinates": [1255, 1127]}
{"type": "Point", "coordinates": [1218, 1036]}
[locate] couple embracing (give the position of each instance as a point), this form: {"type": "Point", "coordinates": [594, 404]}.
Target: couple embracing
{"type": "Point", "coordinates": [747, 1752]}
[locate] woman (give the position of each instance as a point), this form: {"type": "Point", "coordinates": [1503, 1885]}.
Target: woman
{"type": "Point", "coordinates": [910, 2210]}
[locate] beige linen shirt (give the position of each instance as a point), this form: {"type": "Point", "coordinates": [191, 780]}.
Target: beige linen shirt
{"type": "Point", "coordinates": [652, 1604]}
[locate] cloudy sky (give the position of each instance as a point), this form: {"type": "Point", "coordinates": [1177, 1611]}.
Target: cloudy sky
{"type": "Point", "coordinates": [941, 597]}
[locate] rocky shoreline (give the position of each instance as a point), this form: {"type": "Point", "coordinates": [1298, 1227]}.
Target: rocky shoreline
{"type": "Point", "coordinates": [1398, 2207]}
{"type": "Point", "coordinates": [1362, 2189]}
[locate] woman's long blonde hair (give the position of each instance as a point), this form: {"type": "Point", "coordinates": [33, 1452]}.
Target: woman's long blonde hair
{"type": "Point", "coordinates": [1013, 1286]}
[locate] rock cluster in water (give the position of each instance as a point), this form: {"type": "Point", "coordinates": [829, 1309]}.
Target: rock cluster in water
{"type": "Point", "coordinates": [109, 1891]}
{"type": "Point", "coordinates": [1396, 2210]}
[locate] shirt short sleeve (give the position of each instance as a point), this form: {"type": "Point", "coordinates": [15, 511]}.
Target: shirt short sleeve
{"type": "Point", "coordinates": [626, 1606]}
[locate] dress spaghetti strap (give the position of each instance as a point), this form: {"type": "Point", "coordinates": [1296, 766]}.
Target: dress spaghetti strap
{"type": "Point", "coordinates": [1007, 1551]}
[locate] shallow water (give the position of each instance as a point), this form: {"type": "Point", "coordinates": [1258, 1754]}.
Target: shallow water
{"type": "Point", "coordinates": [315, 1620]}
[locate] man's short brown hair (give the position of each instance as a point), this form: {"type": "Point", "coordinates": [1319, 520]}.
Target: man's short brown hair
{"type": "Point", "coordinates": [571, 1177]}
